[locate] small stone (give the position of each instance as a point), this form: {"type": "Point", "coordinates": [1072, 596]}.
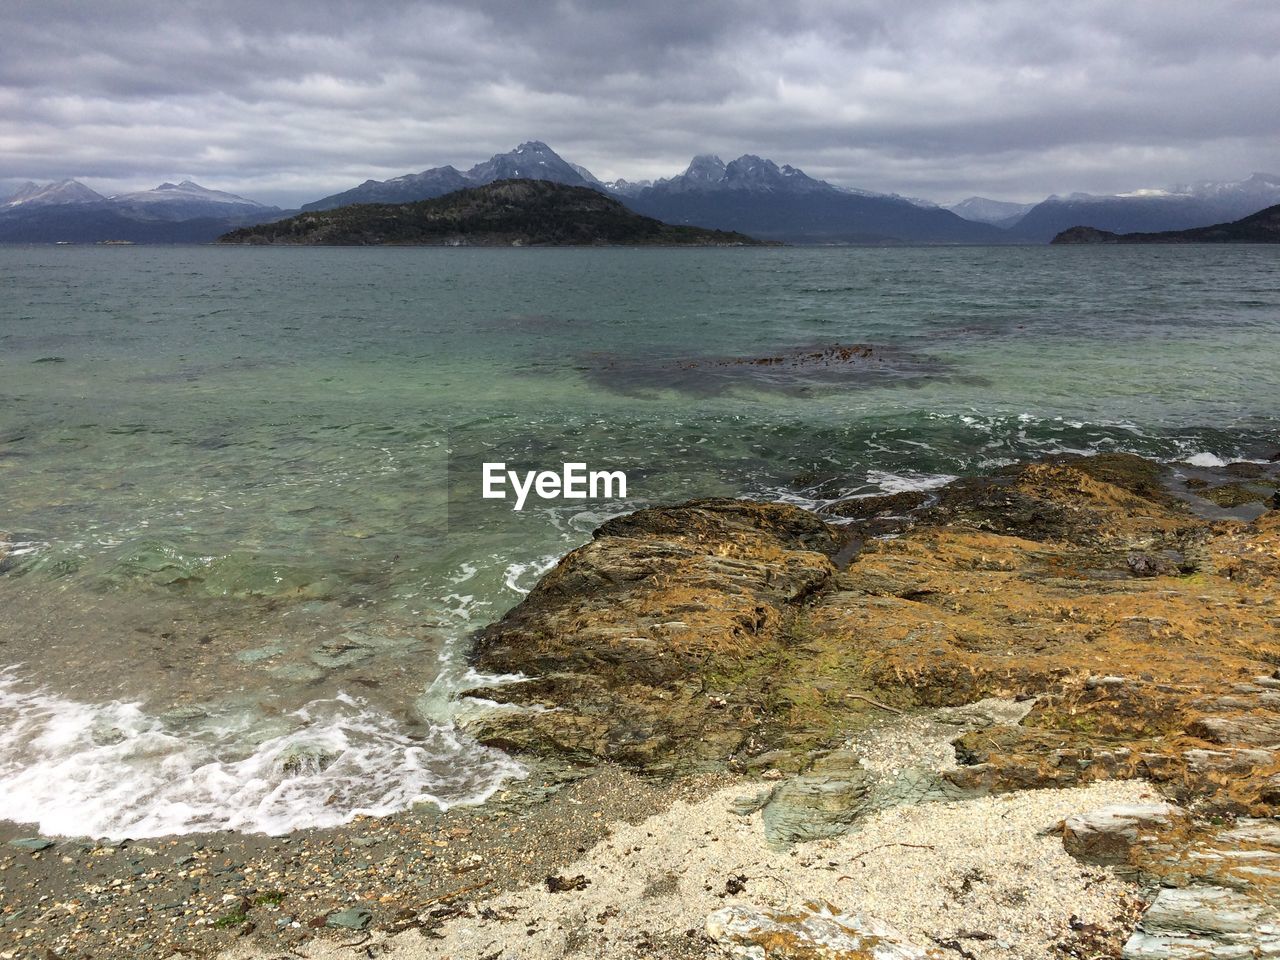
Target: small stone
{"type": "Point", "coordinates": [353, 918]}
{"type": "Point", "coordinates": [34, 844]}
{"type": "Point", "coordinates": [1104, 683]}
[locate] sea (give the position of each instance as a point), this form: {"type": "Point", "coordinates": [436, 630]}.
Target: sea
{"type": "Point", "coordinates": [243, 542]}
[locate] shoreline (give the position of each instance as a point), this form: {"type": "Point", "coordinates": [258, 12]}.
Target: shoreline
{"type": "Point", "coordinates": [721, 675]}
{"type": "Point", "coordinates": [198, 894]}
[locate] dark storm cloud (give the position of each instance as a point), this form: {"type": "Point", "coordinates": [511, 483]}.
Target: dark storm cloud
{"type": "Point", "coordinates": [289, 100]}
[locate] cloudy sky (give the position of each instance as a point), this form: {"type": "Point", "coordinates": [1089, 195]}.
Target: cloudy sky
{"type": "Point", "coordinates": [288, 100]}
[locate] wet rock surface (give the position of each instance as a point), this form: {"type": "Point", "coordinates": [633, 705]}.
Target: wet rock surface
{"type": "Point", "coordinates": [655, 642]}
{"type": "Point", "coordinates": [724, 633]}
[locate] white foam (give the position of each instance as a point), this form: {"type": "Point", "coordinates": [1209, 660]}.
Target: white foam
{"type": "Point", "coordinates": [519, 574]}
{"type": "Point", "coordinates": [907, 482]}
{"type": "Point", "coordinates": [1206, 460]}
{"type": "Point", "coordinates": [111, 770]}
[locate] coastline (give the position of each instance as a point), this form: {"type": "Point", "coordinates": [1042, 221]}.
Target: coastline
{"type": "Point", "coordinates": [746, 691]}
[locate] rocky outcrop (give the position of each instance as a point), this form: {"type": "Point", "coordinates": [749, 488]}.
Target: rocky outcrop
{"type": "Point", "coordinates": [754, 635]}
{"type": "Point", "coordinates": [1111, 621]}
{"type": "Point", "coordinates": [655, 642]}
{"type": "Point", "coordinates": [1205, 923]}
{"type": "Point", "coordinates": [1112, 835]}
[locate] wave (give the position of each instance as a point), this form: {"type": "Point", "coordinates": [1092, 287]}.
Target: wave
{"type": "Point", "coordinates": [113, 771]}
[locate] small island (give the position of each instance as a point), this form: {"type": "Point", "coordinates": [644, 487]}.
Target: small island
{"type": "Point", "coordinates": [1260, 227]}
{"type": "Point", "coordinates": [504, 213]}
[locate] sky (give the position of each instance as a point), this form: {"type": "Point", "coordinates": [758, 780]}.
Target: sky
{"type": "Point", "coordinates": [289, 100]}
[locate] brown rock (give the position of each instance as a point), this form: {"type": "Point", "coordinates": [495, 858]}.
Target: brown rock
{"type": "Point", "coordinates": [1108, 835]}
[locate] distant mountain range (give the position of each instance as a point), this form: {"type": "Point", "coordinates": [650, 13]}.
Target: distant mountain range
{"type": "Point", "coordinates": [998, 213]}
{"type": "Point", "coordinates": [1147, 211]}
{"type": "Point", "coordinates": [1260, 227]}
{"type": "Point", "coordinates": [515, 211]}
{"type": "Point", "coordinates": [751, 194]}
{"type": "Point", "coordinates": [68, 211]}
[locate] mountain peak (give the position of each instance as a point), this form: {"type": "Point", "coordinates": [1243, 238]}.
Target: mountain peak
{"type": "Point", "coordinates": [63, 191]}
{"type": "Point", "coordinates": [705, 168]}
{"type": "Point", "coordinates": [531, 160]}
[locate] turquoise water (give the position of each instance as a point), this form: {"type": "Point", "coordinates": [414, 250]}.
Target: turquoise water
{"type": "Point", "coordinates": [242, 483]}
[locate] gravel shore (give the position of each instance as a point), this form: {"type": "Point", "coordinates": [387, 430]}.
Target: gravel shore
{"type": "Point", "coordinates": [195, 895]}
{"type": "Point", "coordinates": [988, 876]}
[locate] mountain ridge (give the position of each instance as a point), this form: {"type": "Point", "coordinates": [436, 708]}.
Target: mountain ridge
{"type": "Point", "coordinates": [750, 194]}
{"type": "Point", "coordinates": [69, 211]}
{"type": "Point", "coordinates": [511, 212]}
{"type": "Point", "coordinates": [1260, 227]}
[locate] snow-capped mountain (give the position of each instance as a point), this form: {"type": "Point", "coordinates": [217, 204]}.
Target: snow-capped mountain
{"type": "Point", "coordinates": [1260, 188]}
{"type": "Point", "coordinates": [186, 201]}
{"type": "Point", "coordinates": [749, 172]}
{"type": "Point", "coordinates": [435, 182]}
{"type": "Point", "coordinates": [1002, 213]}
{"type": "Point", "coordinates": [1151, 210]}
{"type": "Point", "coordinates": [171, 213]}
{"type": "Point", "coordinates": [626, 188]}
{"type": "Point", "coordinates": [533, 160]}
{"type": "Point", "coordinates": [759, 197]}
{"type": "Point", "coordinates": [50, 194]}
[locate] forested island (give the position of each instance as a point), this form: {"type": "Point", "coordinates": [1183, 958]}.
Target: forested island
{"type": "Point", "coordinates": [504, 213]}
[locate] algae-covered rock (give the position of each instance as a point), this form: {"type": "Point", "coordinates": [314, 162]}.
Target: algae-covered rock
{"type": "Point", "coordinates": [721, 633]}
{"type": "Point", "coordinates": [656, 642]}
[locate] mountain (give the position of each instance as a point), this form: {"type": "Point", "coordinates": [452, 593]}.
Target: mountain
{"type": "Point", "coordinates": [187, 201]}
{"type": "Point", "coordinates": [50, 194]}
{"type": "Point", "coordinates": [1000, 213]}
{"type": "Point", "coordinates": [1151, 211]}
{"type": "Point", "coordinates": [435, 182]}
{"type": "Point", "coordinates": [626, 188]}
{"type": "Point", "coordinates": [522, 212]}
{"type": "Point", "coordinates": [70, 212]}
{"type": "Point", "coordinates": [533, 160]}
{"type": "Point", "coordinates": [756, 196]}
{"type": "Point", "coordinates": [1260, 227]}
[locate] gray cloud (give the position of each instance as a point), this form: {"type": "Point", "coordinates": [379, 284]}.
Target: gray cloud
{"type": "Point", "coordinates": [290, 100]}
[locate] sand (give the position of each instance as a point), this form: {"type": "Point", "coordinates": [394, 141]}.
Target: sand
{"type": "Point", "coordinates": [991, 866]}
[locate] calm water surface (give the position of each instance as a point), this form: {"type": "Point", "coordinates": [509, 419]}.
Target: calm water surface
{"type": "Point", "coordinates": [246, 546]}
